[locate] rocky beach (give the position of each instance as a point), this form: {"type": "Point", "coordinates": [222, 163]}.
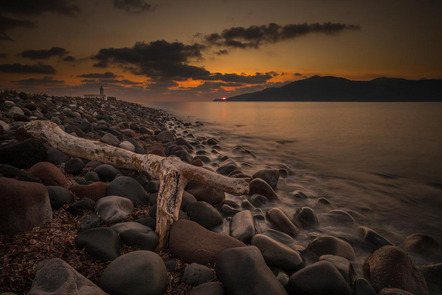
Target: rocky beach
{"type": "Point", "coordinates": [76, 226]}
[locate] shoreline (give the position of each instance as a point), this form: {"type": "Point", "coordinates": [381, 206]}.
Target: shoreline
{"type": "Point", "coordinates": [122, 119]}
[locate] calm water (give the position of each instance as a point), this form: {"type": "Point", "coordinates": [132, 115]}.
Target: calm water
{"type": "Point", "coordinates": [380, 160]}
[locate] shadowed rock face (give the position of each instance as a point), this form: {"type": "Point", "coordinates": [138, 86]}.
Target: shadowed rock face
{"type": "Point", "coordinates": [23, 205]}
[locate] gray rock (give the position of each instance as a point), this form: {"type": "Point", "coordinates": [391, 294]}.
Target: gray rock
{"type": "Point", "coordinates": [101, 243]}
{"type": "Point", "coordinates": [343, 265]}
{"type": "Point", "coordinates": [80, 206]}
{"type": "Point", "coordinates": [5, 126]}
{"type": "Point", "coordinates": [306, 217]}
{"type": "Point", "coordinates": [136, 273]}
{"type": "Point", "coordinates": [127, 146]}
{"type": "Point", "coordinates": [340, 216]}
{"type": "Point", "coordinates": [196, 274]}
{"type": "Point", "coordinates": [271, 176]}
{"type": "Point", "coordinates": [107, 172]}
{"type": "Point", "coordinates": [259, 186]}
{"type": "Point", "coordinates": [54, 276]}
{"type": "Point", "coordinates": [92, 176]}
{"type": "Point", "coordinates": [363, 287]}
{"type": "Point", "coordinates": [165, 136]}
{"type": "Point", "coordinates": [205, 193]}
{"type": "Point", "coordinates": [212, 288]}
{"type": "Point", "coordinates": [56, 157]}
{"type": "Point", "coordinates": [59, 196]}
{"type": "Point", "coordinates": [243, 226]}
{"type": "Point", "coordinates": [113, 209]}
{"type": "Point", "coordinates": [187, 199]}
{"type": "Point", "coordinates": [331, 245]}
{"type": "Point", "coordinates": [152, 186]}
{"type": "Point", "coordinates": [136, 234]}
{"type": "Point", "coordinates": [110, 139]}
{"type": "Point", "coordinates": [128, 187]}
{"type": "Point", "coordinates": [15, 110]}
{"type": "Point", "coordinates": [280, 221]}
{"type": "Point", "coordinates": [318, 278]}
{"type": "Point", "coordinates": [89, 221]}
{"type": "Point", "coordinates": [138, 148]}
{"type": "Point", "coordinates": [204, 214]}
{"type": "Point", "coordinates": [227, 168]}
{"type": "Point", "coordinates": [74, 166]}
{"type": "Point", "coordinates": [243, 270]}
{"type": "Point", "coordinates": [277, 254]}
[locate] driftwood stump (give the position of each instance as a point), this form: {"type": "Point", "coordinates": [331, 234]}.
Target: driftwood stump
{"type": "Point", "coordinates": [171, 171]}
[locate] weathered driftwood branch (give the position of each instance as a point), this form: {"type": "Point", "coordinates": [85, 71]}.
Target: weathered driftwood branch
{"type": "Point", "coordinates": [172, 172]}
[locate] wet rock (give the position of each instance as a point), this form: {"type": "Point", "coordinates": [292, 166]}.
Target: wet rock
{"type": "Point", "coordinates": [138, 148]}
{"type": "Point", "coordinates": [203, 158]}
{"type": "Point", "coordinates": [107, 172]}
{"type": "Point", "coordinates": [343, 265]}
{"type": "Point", "coordinates": [394, 291]}
{"type": "Point", "coordinates": [340, 216]}
{"type": "Point", "coordinates": [93, 191]}
{"type": "Point", "coordinates": [101, 243]}
{"type": "Point", "coordinates": [372, 239]}
{"type": "Point", "coordinates": [243, 226]}
{"type": "Point", "coordinates": [247, 205]}
{"type": "Point", "coordinates": [298, 195]}
{"type": "Point", "coordinates": [390, 267]}
{"type": "Point", "coordinates": [59, 196]}
{"type": "Point", "coordinates": [136, 273]}
{"type": "Point", "coordinates": [212, 288]}
{"type": "Point", "coordinates": [323, 203]}
{"type": "Point", "coordinates": [196, 274]}
{"type": "Point", "coordinates": [227, 168]}
{"type": "Point", "coordinates": [204, 214]}
{"type": "Point", "coordinates": [228, 210]}
{"type": "Point", "coordinates": [165, 136]}
{"type": "Point", "coordinates": [79, 207]}
{"type": "Point", "coordinates": [283, 238]}
{"type": "Point", "coordinates": [433, 277]}
{"type": "Point", "coordinates": [137, 235]}
{"type": "Point", "coordinates": [114, 209]}
{"type": "Point", "coordinates": [331, 245]}
{"type": "Point", "coordinates": [205, 193]}
{"type": "Point", "coordinates": [277, 254]}
{"type": "Point", "coordinates": [421, 244]}
{"type": "Point", "coordinates": [258, 200]}
{"type": "Point", "coordinates": [23, 205]}
{"type": "Point", "coordinates": [191, 242]}
{"type": "Point", "coordinates": [55, 276]}
{"type": "Point", "coordinates": [363, 287]}
{"type": "Point", "coordinates": [152, 186]}
{"type": "Point", "coordinates": [127, 146]}
{"type": "Point", "coordinates": [49, 174]}
{"type": "Point", "coordinates": [128, 187]}
{"type": "Point", "coordinates": [110, 139]}
{"type": "Point", "coordinates": [318, 278]}
{"type": "Point", "coordinates": [243, 270]}
{"type": "Point", "coordinates": [56, 157]}
{"type": "Point", "coordinates": [23, 154]}
{"type": "Point", "coordinates": [21, 118]}
{"type": "Point", "coordinates": [74, 166]}
{"type": "Point", "coordinates": [259, 186]}
{"type": "Point", "coordinates": [187, 199]}
{"type": "Point", "coordinates": [271, 176]}
{"type": "Point", "coordinates": [89, 221]}
{"type": "Point", "coordinates": [306, 217]}
{"type": "Point", "coordinates": [280, 221]}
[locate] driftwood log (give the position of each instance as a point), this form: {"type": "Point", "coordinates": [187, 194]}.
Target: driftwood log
{"type": "Point", "coordinates": [171, 171]}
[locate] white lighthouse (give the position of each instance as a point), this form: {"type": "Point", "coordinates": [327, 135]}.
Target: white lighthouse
{"type": "Point", "coordinates": [100, 96]}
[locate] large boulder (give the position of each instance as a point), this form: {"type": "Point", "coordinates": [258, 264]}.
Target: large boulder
{"type": "Point", "coordinates": [390, 267]}
{"type": "Point", "coordinates": [23, 154]}
{"type": "Point", "coordinates": [101, 243]}
{"type": "Point", "coordinates": [280, 221]}
{"type": "Point", "coordinates": [331, 245]}
{"type": "Point", "coordinates": [125, 186]}
{"type": "Point", "coordinates": [93, 191]}
{"type": "Point", "coordinates": [135, 273]}
{"type": "Point", "coordinates": [113, 209]}
{"type": "Point", "coordinates": [204, 214]}
{"type": "Point", "coordinates": [191, 242]}
{"type": "Point", "coordinates": [205, 193]}
{"type": "Point", "coordinates": [243, 226]}
{"type": "Point", "coordinates": [23, 205]}
{"type": "Point", "coordinates": [318, 278]}
{"type": "Point", "coordinates": [49, 174]}
{"type": "Point", "coordinates": [54, 276]}
{"type": "Point", "coordinates": [243, 270]}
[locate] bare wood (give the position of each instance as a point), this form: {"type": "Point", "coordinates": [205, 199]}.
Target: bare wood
{"type": "Point", "coordinates": [172, 172]}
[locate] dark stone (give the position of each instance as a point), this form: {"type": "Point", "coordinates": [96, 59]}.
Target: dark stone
{"type": "Point", "coordinates": [107, 172]}
{"type": "Point", "coordinates": [191, 242]}
{"type": "Point", "coordinates": [23, 205]}
{"type": "Point", "coordinates": [171, 265]}
{"type": "Point", "coordinates": [227, 168]}
{"type": "Point", "coordinates": [280, 221]}
{"type": "Point", "coordinates": [56, 157]}
{"type": "Point", "coordinates": [74, 166]}
{"type": "Point", "coordinates": [165, 136]}
{"type": "Point", "coordinates": [203, 158]}
{"type": "Point", "coordinates": [343, 265]}
{"type": "Point", "coordinates": [59, 196]}
{"type": "Point", "coordinates": [270, 176]}
{"type": "Point", "coordinates": [101, 243]}
{"type": "Point", "coordinates": [243, 226]}
{"type": "Point", "coordinates": [390, 267]}
{"type": "Point", "coordinates": [128, 187]}
{"type": "Point", "coordinates": [187, 199]}
{"type": "Point", "coordinates": [93, 191]}
{"type": "Point", "coordinates": [212, 288]}
{"type": "Point", "coordinates": [331, 245]}
{"type": "Point", "coordinates": [433, 277]}
{"type": "Point", "coordinates": [372, 239]}
{"type": "Point", "coordinates": [196, 274]}
{"type": "Point", "coordinates": [113, 209]}
{"type": "Point", "coordinates": [243, 270]}
{"type": "Point", "coordinates": [138, 148]}
{"type": "Point", "coordinates": [92, 176]}
{"type": "Point", "coordinates": [259, 186]}
{"type": "Point", "coordinates": [136, 273]}
{"type": "Point", "coordinates": [306, 217]}
{"type": "Point", "coordinates": [340, 216]}
{"type": "Point", "coordinates": [394, 291]}
{"type": "Point", "coordinates": [283, 238]}
{"type": "Point", "coordinates": [258, 200]}
{"type": "Point", "coordinates": [80, 206]}
{"type": "Point", "coordinates": [204, 214]}
{"type": "Point", "coordinates": [89, 221]}
{"type": "Point", "coordinates": [152, 186]}
{"type": "Point", "coordinates": [49, 174]}
{"type": "Point", "coordinates": [228, 210]}
{"type": "Point", "coordinates": [363, 287]}
{"type": "Point", "coordinates": [318, 278]}
{"type": "Point", "coordinates": [137, 235]}
{"type": "Point", "coordinates": [147, 221]}
{"type": "Point", "coordinates": [13, 172]}
{"type": "Point", "coordinates": [205, 193]}
{"type": "Point", "coordinates": [110, 139]}
{"type": "Point", "coordinates": [23, 154]}
{"type": "Point", "coordinates": [421, 244]}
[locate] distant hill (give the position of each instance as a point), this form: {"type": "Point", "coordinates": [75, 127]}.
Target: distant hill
{"type": "Point", "coordinates": [329, 88]}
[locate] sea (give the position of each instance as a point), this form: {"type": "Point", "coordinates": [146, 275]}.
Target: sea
{"type": "Point", "coordinates": [380, 162]}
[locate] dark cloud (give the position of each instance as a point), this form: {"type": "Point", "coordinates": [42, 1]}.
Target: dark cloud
{"type": "Point", "coordinates": [3, 55]}
{"type": "Point", "coordinates": [39, 81]}
{"type": "Point", "coordinates": [258, 78]}
{"type": "Point", "coordinates": [133, 6]}
{"type": "Point", "coordinates": [256, 36]}
{"type": "Point", "coordinates": [7, 23]}
{"type": "Point", "coordinates": [44, 53]}
{"type": "Point", "coordinates": [108, 81]}
{"type": "Point", "coordinates": [106, 75]}
{"type": "Point", "coordinates": [19, 68]}
{"type": "Point", "coordinates": [37, 7]}
{"type": "Point", "coordinates": [222, 52]}
{"type": "Point", "coordinates": [69, 58]}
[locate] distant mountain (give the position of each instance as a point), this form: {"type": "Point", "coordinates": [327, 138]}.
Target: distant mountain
{"type": "Point", "coordinates": [329, 88]}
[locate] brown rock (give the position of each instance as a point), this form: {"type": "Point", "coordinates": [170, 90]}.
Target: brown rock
{"type": "Point", "coordinates": [23, 205]}
{"type": "Point", "coordinates": [191, 242]}
{"type": "Point", "coordinates": [94, 191]}
{"type": "Point", "coordinates": [156, 149]}
{"type": "Point", "coordinates": [49, 174]}
{"type": "Point", "coordinates": [205, 193]}
{"type": "Point", "coordinates": [390, 267]}
{"type": "Point", "coordinates": [280, 221]}
{"type": "Point", "coordinates": [197, 162]}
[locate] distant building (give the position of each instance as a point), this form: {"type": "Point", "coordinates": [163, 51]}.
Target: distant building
{"type": "Point", "coordinates": [113, 98]}
{"type": "Point", "coordinates": [99, 96]}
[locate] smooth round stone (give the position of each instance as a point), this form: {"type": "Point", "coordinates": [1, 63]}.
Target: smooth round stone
{"type": "Point", "coordinates": [270, 176]}
{"type": "Point", "coordinates": [127, 146]}
{"type": "Point", "coordinates": [56, 157]}
{"type": "Point", "coordinates": [59, 196]}
{"type": "Point", "coordinates": [80, 206]}
{"type": "Point", "coordinates": [136, 273]}
{"type": "Point", "coordinates": [165, 136]}
{"type": "Point", "coordinates": [331, 245]}
{"type": "Point", "coordinates": [92, 176]}
{"type": "Point", "coordinates": [128, 187]}
{"type": "Point", "coordinates": [421, 244]}
{"type": "Point", "coordinates": [102, 243]}
{"type": "Point", "coordinates": [394, 291]}
{"type": "Point", "coordinates": [204, 214]}
{"type": "Point", "coordinates": [259, 186]}
{"type": "Point", "coordinates": [340, 216]}
{"type": "Point", "coordinates": [306, 217]}
{"type": "Point", "coordinates": [15, 110]}
{"type": "Point", "coordinates": [136, 234]}
{"type": "Point", "coordinates": [363, 287]}
{"type": "Point", "coordinates": [242, 226]}
{"type": "Point", "coordinates": [343, 265]}
{"type": "Point", "coordinates": [196, 274]}
{"type": "Point", "coordinates": [74, 166]}
{"type": "Point", "coordinates": [280, 221]}
{"type": "Point", "coordinates": [107, 172]}
{"type": "Point", "coordinates": [23, 154]}
{"type": "Point", "coordinates": [89, 221]}
{"type": "Point", "coordinates": [110, 139]}
{"type": "Point", "coordinates": [113, 209]}
{"type": "Point", "coordinates": [372, 238]}
{"type": "Point", "coordinates": [283, 238]}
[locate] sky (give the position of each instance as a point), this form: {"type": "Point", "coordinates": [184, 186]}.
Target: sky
{"type": "Point", "coordinates": [199, 50]}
